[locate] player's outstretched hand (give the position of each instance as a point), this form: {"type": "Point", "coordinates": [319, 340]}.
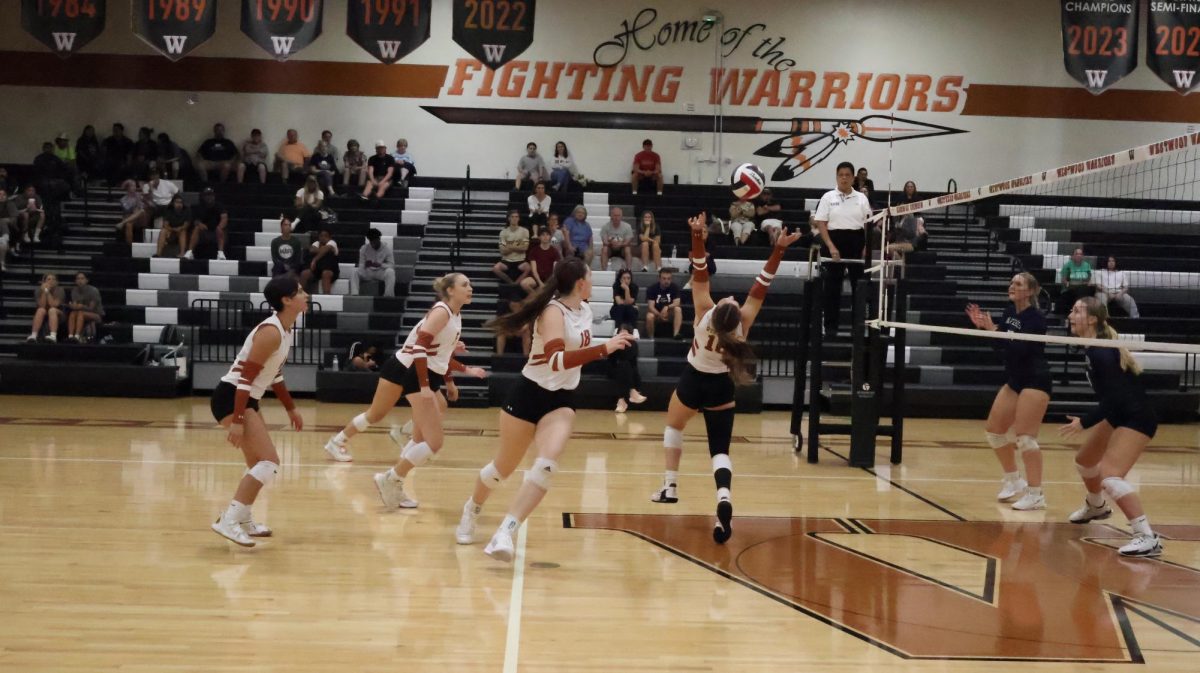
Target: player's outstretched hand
{"type": "Point", "coordinates": [477, 372]}
{"type": "Point", "coordinates": [296, 420]}
{"type": "Point", "coordinates": [787, 238]}
{"type": "Point", "coordinates": [619, 341]}
{"type": "Point", "coordinates": [1072, 428]}
{"type": "Point", "coordinates": [699, 223]}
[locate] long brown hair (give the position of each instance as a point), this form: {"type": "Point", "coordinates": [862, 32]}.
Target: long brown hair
{"type": "Point", "coordinates": [561, 283]}
{"type": "Point", "coordinates": [1099, 310]}
{"type": "Point", "coordinates": [735, 352]}
{"type": "Point", "coordinates": [1035, 288]}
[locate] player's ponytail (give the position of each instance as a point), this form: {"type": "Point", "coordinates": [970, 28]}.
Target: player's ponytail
{"type": "Point", "coordinates": [567, 274]}
{"type": "Point", "coordinates": [1099, 310]}
{"type": "Point", "coordinates": [735, 352]}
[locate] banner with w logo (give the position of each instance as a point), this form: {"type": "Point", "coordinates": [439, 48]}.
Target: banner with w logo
{"type": "Point", "coordinates": [1099, 41]}
{"type": "Point", "coordinates": [174, 27]}
{"type": "Point", "coordinates": [64, 27]}
{"type": "Point", "coordinates": [282, 27]}
{"type": "Point", "coordinates": [1174, 50]}
{"type": "Point", "coordinates": [493, 31]}
{"type": "Point", "coordinates": [389, 29]}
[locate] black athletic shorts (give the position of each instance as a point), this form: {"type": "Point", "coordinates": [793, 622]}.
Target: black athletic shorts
{"type": "Point", "coordinates": [222, 401]}
{"type": "Point", "coordinates": [1143, 420]}
{"type": "Point", "coordinates": [394, 371]}
{"type": "Point", "coordinates": [530, 402]}
{"type": "Point", "coordinates": [1038, 380]}
{"type": "Point", "coordinates": [701, 390]}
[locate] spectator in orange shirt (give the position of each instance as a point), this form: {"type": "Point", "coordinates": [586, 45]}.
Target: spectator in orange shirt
{"type": "Point", "coordinates": [292, 155]}
{"type": "Point", "coordinates": [647, 168]}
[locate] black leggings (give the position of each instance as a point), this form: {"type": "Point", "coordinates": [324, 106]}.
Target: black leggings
{"type": "Point", "coordinates": [849, 243]}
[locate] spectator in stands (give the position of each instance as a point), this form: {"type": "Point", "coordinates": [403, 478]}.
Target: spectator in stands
{"type": "Point", "coordinates": [323, 163]}
{"type": "Point", "coordinates": [1113, 287]}
{"type": "Point", "coordinates": [562, 168]}
{"type": "Point", "coordinates": [741, 221]}
{"type": "Point", "coordinates": [616, 239]}
{"type": "Point", "coordinates": [540, 261]}
{"type": "Point", "coordinates": [49, 297]}
{"type": "Point", "coordinates": [160, 193]}
{"type": "Point", "coordinates": [116, 154]}
{"type": "Point", "coordinates": [664, 302]}
{"type": "Point", "coordinates": [381, 170]}
{"type": "Point", "coordinates": [1076, 279]}
{"type": "Point", "coordinates": [8, 227]}
{"type": "Point", "coordinates": [530, 167]}
{"type": "Point", "coordinates": [86, 309]}
{"type": "Point", "coordinates": [219, 153]}
{"type": "Point", "coordinates": [768, 215]}
{"type": "Point", "coordinates": [362, 358]}
{"type": "Point", "coordinates": [514, 243]}
{"type": "Point", "coordinates": [539, 205]}
{"type": "Point", "coordinates": [176, 226]}
{"type": "Point", "coordinates": [145, 152]}
{"type": "Point", "coordinates": [286, 250]}
{"type": "Point", "coordinates": [625, 296]}
{"type": "Point", "coordinates": [211, 221]}
{"type": "Point", "coordinates": [909, 195]}
{"type": "Point", "coordinates": [647, 169]}
{"type": "Point", "coordinates": [509, 298]}
{"type": "Point", "coordinates": [375, 262]}
{"type": "Point", "coordinates": [135, 213]}
{"type": "Point", "coordinates": [406, 166]}
{"type": "Point", "coordinates": [292, 155]}
{"type": "Point", "coordinates": [322, 262]}
{"type": "Point", "coordinates": [4, 181]}
{"type": "Point", "coordinates": [906, 235]}
{"type": "Point", "coordinates": [254, 156]}
{"type": "Point", "coordinates": [172, 160]}
{"type": "Point", "coordinates": [66, 154]}
{"type": "Point", "coordinates": [354, 166]}
{"type": "Point", "coordinates": [51, 174]}
{"type": "Point", "coordinates": [579, 235]}
{"type": "Point", "coordinates": [308, 202]}
{"type": "Point", "coordinates": [31, 215]}
{"type": "Point", "coordinates": [623, 370]}
{"type": "Point", "coordinates": [651, 238]}
{"type": "Point", "coordinates": [87, 152]}
{"type": "Point", "coordinates": [863, 183]}
{"type": "Point", "coordinates": [558, 238]}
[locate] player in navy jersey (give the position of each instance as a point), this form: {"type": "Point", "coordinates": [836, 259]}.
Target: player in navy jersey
{"type": "Point", "coordinates": [1017, 412]}
{"type": "Point", "coordinates": [1122, 425]}
{"type": "Point", "coordinates": [717, 360]}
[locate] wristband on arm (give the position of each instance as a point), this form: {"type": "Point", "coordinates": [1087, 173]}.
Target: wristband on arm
{"type": "Point", "coordinates": [699, 259]}
{"type": "Point", "coordinates": [561, 359]}
{"type": "Point", "coordinates": [759, 290]}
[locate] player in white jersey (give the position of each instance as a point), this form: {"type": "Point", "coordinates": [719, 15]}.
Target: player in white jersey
{"type": "Point", "coordinates": [417, 372]}
{"type": "Point", "coordinates": [540, 404]}
{"type": "Point", "coordinates": [717, 362]}
{"type": "Point", "coordinates": [235, 406]}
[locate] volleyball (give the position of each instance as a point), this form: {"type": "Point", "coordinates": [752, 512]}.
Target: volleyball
{"type": "Point", "coordinates": [747, 181]}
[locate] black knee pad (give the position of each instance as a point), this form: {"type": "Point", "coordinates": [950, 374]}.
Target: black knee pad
{"type": "Point", "coordinates": [719, 424]}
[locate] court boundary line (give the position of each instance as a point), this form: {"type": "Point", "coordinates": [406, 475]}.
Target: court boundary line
{"type": "Point", "coordinates": [512, 640]}
{"type": "Point", "coordinates": [871, 471]}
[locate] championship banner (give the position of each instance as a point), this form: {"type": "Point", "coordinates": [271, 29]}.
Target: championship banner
{"type": "Point", "coordinates": [282, 27]}
{"type": "Point", "coordinates": [64, 26]}
{"type": "Point", "coordinates": [1099, 41]}
{"type": "Point", "coordinates": [493, 31]}
{"type": "Point", "coordinates": [174, 27]}
{"type": "Point", "coordinates": [388, 29]}
{"type": "Point", "coordinates": [1174, 50]}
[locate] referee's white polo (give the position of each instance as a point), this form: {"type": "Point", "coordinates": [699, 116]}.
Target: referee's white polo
{"type": "Point", "coordinates": [843, 211]}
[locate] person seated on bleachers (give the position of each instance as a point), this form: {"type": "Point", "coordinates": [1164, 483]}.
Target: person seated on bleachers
{"type": "Point", "coordinates": [616, 239]}
{"type": "Point", "coordinates": [625, 296]}
{"type": "Point", "coordinates": [562, 169]}
{"type": "Point", "coordinates": [174, 237]}
{"type": "Point", "coordinates": [579, 235]}
{"type": "Point", "coordinates": [1114, 289]}
{"type": "Point", "coordinates": [51, 175]}
{"type": "Point", "coordinates": [31, 215]}
{"type": "Point", "coordinates": [664, 302]}
{"type": "Point", "coordinates": [254, 157]}
{"type": "Point", "coordinates": [172, 160]}
{"type": "Point", "coordinates": [623, 371]}
{"type": "Point", "coordinates": [540, 261]}
{"type": "Point", "coordinates": [145, 153]}
{"type": "Point", "coordinates": [322, 262]}
{"type": "Point", "coordinates": [514, 243]}
{"type": "Point", "coordinates": [86, 306]}
{"type": "Point", "coordinates": [362, 358]}
{"type": "Point", "coordinates": [906, 235]}
{"type": "Point", "coordinates": [375, 262]}
{"type": "Point", "coordinates": [647, 169]}
{"type": "Point", "coordinates": [87, 153]}
{"type": "Point", "coordinates": [292, 155]}
{"type": "Point", "coordinates": [219, 153]}
{"type": "Point", "coordinates": [768, 215]}
{"type": "Point", "coordinates": [49, 297]}
{"type": "Point", "coordinates": [741, 221]}
{"type": "Point", "coordinates": [1076, 279]}
{"type": "Point", "coordinates": [8, 227]}
{"type": "Point", "coordinates": [354, 167]}
{"type": "Point", "coordinates": [539, 205]}
{"type": "Point", "coordinates": [4, 181]}
{"type": "Point", "coordinates": [381, 170]}
{"type": "Point", "coordinates": [863, 183]}
{"type": "Point", "coordinates": [135, 213]}
{"type": "Point", "coordinates": [558, 238]}
{"type": "Point", "coordinates": [651, 237]}
{"type": "Point", "coordinates": [406, 166]}
{"type": "Point", "coordinates": [530, 167]}
{"type": "Point", "coordinates": [323, 163]}
{"type": "Point", "coordinates": [116, 154]}
{"type": "Point", "coordinates": [210, 222]}
{"type": "Point", "coordinates": [287, 251]}
{"type": "Point", "coordinates": [160, 192]}
{"type": "Point", "coordinates": [66, 154]}
{"type": "Point", "coordinates": [508, 299]}
{"type": "Point", "coordinates": [308, 202]}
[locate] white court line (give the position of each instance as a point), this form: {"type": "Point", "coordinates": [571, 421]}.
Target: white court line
{"type": "Point", "coordinates": [855, 476]}
{"type": "Point", "coordinates": [512, 644]}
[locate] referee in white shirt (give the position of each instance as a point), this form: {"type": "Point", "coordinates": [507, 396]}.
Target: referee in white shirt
{"type": "Point", "coordinates": [841, 218]}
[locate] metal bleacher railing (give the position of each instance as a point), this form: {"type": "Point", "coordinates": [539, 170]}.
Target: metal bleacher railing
{"type": "Point", "coordinates": [229, 320]}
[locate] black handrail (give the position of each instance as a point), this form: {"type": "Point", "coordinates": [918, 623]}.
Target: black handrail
{"type": "Point", "coordinates": [460, 225]}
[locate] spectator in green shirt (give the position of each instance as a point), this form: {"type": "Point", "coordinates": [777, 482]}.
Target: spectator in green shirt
{"type": "Point", "coordinates": [1076, 278]}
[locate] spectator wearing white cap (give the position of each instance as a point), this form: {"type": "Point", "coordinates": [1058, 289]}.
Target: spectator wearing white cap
{"type": "Point", "coordinates": [381, 170]}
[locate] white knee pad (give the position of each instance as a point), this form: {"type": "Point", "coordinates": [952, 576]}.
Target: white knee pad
{"type": "Point", "coordinates": [1026, 443]}
{"type": "Point", "coordinates": [996, 441]}
{"type": "Point", "coordinates": [417, 453]}
{"type": "Point", "coordinates": [1088, 472]}
{"type": "Point", "coordinates": [721, 461]}
{"type": "Point", "coordinates": [264, 471]}
{"type": "Point", "coordinates": [1116, 488]}
{"type": "Point", "coordinates": [490, 476]}
{"type": "Point", "coordinates": [542, 473]}
{"type": "Point", "coordinates": [360, 422]}
{"type": "Point", "coordinates": [672, 438]}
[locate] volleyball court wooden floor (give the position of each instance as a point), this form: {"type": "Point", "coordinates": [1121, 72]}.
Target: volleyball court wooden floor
{"type": "Point", "coordinates": [107, 561]}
